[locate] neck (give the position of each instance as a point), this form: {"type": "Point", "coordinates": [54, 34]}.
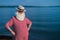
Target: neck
{"type": "Point", "coordinates": [20, 16]}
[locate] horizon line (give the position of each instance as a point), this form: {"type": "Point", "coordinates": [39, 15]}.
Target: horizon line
{"type": "Point", "coordinates": [28, 6]}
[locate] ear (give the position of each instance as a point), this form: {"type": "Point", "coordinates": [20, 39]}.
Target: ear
{"type": "Point", "coordinates": [24, 10]}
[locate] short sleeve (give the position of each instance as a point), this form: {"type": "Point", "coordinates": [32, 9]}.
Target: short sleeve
{"type": "Point", "coordinates": [28, 21]}
{"type": "Point", "coordinates": [9, 23]}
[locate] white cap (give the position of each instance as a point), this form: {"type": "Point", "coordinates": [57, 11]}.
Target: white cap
{"type": "Point", "coordinates": [21, 7]}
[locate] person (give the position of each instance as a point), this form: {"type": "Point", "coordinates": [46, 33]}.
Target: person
{"type": "Point", "coordinates": [20, 23]}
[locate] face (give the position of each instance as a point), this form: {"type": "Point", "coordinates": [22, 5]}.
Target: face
{"type": "Point", "coordinates": [20, 11]}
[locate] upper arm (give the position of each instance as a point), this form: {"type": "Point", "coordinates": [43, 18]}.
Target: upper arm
{"type": "Point", "coordinates": [9, 23]}
{"type": "Point", "coordinates": [28, 21]}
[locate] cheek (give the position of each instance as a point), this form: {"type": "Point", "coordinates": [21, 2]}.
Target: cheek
{"type": "Point", "coordinates": [16, 13]}
{"type": "Point", "coordinates": [21, 13]}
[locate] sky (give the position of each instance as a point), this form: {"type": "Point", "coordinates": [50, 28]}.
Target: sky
{"type": "Point", "coordinates": [30, 2]}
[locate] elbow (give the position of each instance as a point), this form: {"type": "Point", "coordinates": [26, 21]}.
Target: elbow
{"type": "Point", "coordinates": [31, 23]}
{"type": "Point", "coordinates": [6, 26]}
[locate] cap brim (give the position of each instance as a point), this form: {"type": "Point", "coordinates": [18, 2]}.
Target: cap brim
{"type": "Point", "coordinates": [22, 9]}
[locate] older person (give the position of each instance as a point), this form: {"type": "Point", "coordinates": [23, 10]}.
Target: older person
{"type": "Point", "coordinates": [19, 22]}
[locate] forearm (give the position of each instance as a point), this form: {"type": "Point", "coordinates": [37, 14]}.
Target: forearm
{"type": "Point", "coordinates": [29, 26]}
{"type": "Point", "coordinates": [10, 30]}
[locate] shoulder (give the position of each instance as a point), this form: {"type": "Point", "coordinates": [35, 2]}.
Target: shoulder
{"type": "Point", "coordinates": [12, 17]}
{"type": "Point", "coordinates": [26, 18]}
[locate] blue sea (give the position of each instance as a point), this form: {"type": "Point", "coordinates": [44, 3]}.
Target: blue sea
{"type": "Point", "coordinates": [45, 21]}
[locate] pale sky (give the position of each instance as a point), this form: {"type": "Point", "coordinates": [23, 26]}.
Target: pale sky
{"type": "Point", "coordinates": [30, 2]}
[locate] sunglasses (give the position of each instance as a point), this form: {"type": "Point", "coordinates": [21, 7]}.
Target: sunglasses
{"type": "Point", "coordinates": [20, 11]}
